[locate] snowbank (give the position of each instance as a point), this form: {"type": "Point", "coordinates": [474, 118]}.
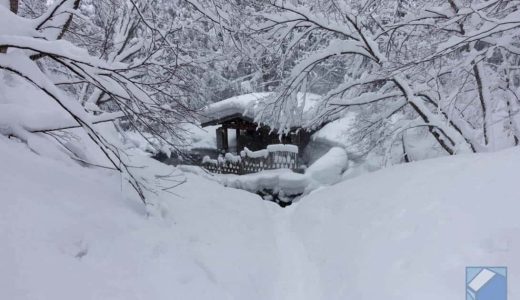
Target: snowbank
{"type": "Point", "coordinates": [406, 232]}
{"type": "Point", "coordinates": [69, 232]}
{"type": "Point", "coordinates": [409, 231]}
{"type": "Point", "coordinates": [328, 168]}
{"type": "Point", "coordinates": [284, 180]}
{"type": "Point", "coordinates": [283, 185]}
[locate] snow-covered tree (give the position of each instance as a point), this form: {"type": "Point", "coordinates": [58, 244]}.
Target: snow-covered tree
{"type": "Point", "coordinates": [480, 55]}
{"type": "Point", "coordinates": [131, 63]}
{"type": "Point", "coordinates": [408, 67]}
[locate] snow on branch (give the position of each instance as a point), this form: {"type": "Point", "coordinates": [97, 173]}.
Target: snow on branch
{"type": "Point", "coordinates": [137, 79]}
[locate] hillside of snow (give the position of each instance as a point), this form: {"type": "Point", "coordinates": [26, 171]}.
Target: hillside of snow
{"type": "Point", "coordinates": [69, 232]}
{"type": "Point", "coordinates": [405, 232]}
{"type": "Point", "coordinates": [409, 231]}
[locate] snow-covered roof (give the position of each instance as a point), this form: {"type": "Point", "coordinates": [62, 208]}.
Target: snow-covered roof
{"type": "Point", "coordinates": [248, 106]}
{"type": "Point", "coordinates": [338, 132]}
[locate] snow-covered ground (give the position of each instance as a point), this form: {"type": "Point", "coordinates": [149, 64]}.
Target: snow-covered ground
{"type": "Point", "coordinates": [409, 231]}
{"type": "Point", "coordinates": [405, 232]}
{"type": "Point", "coordinates": [69, 232]}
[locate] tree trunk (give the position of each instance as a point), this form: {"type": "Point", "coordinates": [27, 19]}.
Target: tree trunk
{"type": "Point", "coordinates": [511, 115]}
{"type": "Point", "coordinates": [483, 91]}
{"type": "Point", "coordinates": [483, 101]}
{"type": "Point", "coordinates": [512, 124]}
{"type": "Point", "coordinates": [405, 151]}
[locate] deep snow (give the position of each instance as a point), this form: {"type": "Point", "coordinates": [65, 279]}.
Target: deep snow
{"type": "Point", "coordinates": [409, 231]}
{"type": "Point", "coordinates": [405, 232]}
{"type": "Point", "coordinates": [68, 233]}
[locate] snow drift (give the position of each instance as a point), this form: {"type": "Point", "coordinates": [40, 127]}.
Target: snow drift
{"type": "Point", "coordinates": [409, 231]}
{"type": "Point", "coordinates": [406, 232]}
{"type": "Point", "coordinates": [69, 232]}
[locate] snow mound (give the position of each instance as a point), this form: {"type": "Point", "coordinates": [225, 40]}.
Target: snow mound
{"type": "Point", "coordinates": [70, 232]}
{"type": "Point", "coordinates": [409, 231]}
{"type": "Point", "coordinates": [328, 169]}
{"type": "Point", "coordinates": [273, 180]}
{"type": "Point", "coordinates": [325, 171]}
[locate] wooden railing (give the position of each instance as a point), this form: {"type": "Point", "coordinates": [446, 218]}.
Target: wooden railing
{"type": "Point", "coordinates": [276, 157]}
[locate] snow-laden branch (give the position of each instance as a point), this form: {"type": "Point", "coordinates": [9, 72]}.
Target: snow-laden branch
{"type": "Point", "coordinates": [367, 98]}
{"type": "Point", "coordinates": [59, 48]}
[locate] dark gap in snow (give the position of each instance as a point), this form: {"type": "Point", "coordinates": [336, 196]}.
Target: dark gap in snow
{"type": "Point", "coordinates": [277, 197]}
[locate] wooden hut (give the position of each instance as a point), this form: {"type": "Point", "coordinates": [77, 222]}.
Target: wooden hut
{"type": "Point", "coordinates": [238, 130]}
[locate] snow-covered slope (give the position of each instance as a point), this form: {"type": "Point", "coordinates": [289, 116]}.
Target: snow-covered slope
{"type": "Point", "coordinates": [409, 231]}
{"type": "Point", "coordinates": [68, 232]}
{"type": "Point", "coordinates": [406, 232]}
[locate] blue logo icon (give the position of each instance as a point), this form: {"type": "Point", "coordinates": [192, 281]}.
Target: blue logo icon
{"type": "Point", "coordinates": [486, 283]}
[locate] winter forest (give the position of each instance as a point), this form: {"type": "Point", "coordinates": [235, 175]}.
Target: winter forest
{"type": "Point", "coordinates": [258, 149]}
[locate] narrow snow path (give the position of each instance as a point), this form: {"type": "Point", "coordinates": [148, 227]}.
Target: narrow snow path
{"type": "Point", "coordinates": [298, 277]}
